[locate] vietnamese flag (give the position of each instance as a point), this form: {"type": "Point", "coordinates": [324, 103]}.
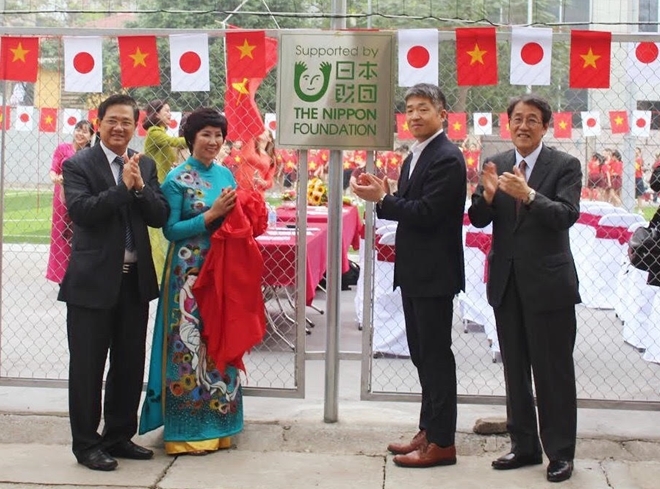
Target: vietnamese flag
{"type": "Point", "coordinates": [456, 125]}
{"type": "Point", "coordinates": [47, 120]}
{"type": "Point", "coordinates": [476, 56]}
{"type": "Point", "coordinates": [563, 124]}
{"type": "Point", "coordinates": [590, 59]}
{"type": "Point", "coordinates": [243, 117]}
{"type": "Point", "coordinates": [140, 130]}
{"type": "Point", "coordinates": [402, 130]}
{"type": "Point", "coordinates": [93, 117]}
{"type": "Point", "coordinates": [19, 58]}
{"type": "Point", "coordinates": [505, 132]}
{"type": "Point", "coordinates": [246, 54]}
{"type": "Point", "coordinates": [619, 122]}
{"type": "Point", "coordinates": [138, 61]}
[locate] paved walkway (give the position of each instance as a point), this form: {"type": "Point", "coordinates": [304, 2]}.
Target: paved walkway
{"type": "Point", "coordinates": [286, 444]}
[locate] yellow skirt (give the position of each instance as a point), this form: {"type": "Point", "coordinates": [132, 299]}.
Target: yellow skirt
{"type": "Point", "coordinates": [183, 447]}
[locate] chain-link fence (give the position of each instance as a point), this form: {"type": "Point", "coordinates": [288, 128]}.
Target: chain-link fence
{"type": "Point", "coordinates": [618, 346]}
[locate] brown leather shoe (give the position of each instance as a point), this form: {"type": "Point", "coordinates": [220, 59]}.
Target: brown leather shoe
{"type": "Point", "coordinates": [402, 448]}
{"type": "Point", "coordinates": [429, 455]}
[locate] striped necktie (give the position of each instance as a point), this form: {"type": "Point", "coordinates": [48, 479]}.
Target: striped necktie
{"type": "Point", "coordinates": [523, 169]}
{"type": "Point", "coordinates": [129, 239]}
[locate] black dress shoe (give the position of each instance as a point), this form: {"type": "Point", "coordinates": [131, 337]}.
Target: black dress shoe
{"type": "Point", "coordinates": [128, 449]}
{"type": "Point", "coordinates": [515, 461]}
{"type": "Point", "coordinates": [560, 470]}
{"type": "Point", "coordinates": [98, 460]}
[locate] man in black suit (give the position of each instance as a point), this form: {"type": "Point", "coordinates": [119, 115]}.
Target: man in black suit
{"type": "Point", "coordinates": [112, 195]}
{"type": "Point", "coordinates": [428, 206]}
{"type": "Point", "coordinates": [531, 194]}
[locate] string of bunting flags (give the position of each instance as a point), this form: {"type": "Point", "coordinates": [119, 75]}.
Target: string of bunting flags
{"type": "Point", "coordinates": [247, 57]}
{"type": "Point", "coordinates": [250, 55]}
{"type": "Point", "coordinates": [637, 123]}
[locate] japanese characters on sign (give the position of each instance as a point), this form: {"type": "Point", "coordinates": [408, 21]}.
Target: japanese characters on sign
{"type": "Point", "coordinates": [335, 90]}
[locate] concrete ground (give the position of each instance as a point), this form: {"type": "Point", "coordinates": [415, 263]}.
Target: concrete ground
{"type": "Point", "coordinates": [286, 444]}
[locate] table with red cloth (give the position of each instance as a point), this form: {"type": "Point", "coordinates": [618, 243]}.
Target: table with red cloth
{"type": "Point", "coordinates": [278, 248]}
{"type": "Point", "coordinates": [351, 225]}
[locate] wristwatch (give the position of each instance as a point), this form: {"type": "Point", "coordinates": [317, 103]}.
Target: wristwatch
{"type": "Point", "coordinates": [380, 201]}
{"type": "Point", "coordinates": [530, 197]}
{"type": "Point", "coordinates": [138, 193]}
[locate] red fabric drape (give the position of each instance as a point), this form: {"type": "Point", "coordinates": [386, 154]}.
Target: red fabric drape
{"type": "Point", "coordinates": [228, 289]}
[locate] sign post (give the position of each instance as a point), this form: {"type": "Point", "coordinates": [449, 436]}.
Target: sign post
{"type": "Point", "coordinates": [335, 91]}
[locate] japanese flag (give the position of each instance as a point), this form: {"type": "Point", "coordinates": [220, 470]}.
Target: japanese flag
{"type": "Point", "coordinates": [644, 62]}
{"type": "Point", "coordinates": [531, 54]}
{"type": "Point", "coordinates": [641, 123]}
{"type": "Point", "coordinates": [189, 61]}
{"type": "Point", "coordinates": [24, 120]}
{"type": "Point", "coordinates": [270, 121]}
{"type": "Point", "coordinates": [175, 123]}
{"type": "Point", "coordinates": [70, 117]}
{"type": "Point", "coordinates": [83, 67]}
{"type": "Point", "coordinates": [483, 123]}
{"type": "Point", "coordinates": [418, 56]}
{"type": "Point", "coordinates": [590, 123]}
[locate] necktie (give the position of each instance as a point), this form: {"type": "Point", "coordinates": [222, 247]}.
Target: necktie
{"type": "Point", "coordinates": [129, 240]}
{"type": "Point", "coordinates": [523, 169]}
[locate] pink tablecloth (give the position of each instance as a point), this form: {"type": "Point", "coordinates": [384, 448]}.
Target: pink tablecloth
{"type": "Point", "coordinates": [351, 225]}
{"type": "Point", "coordinates": [278, 248]}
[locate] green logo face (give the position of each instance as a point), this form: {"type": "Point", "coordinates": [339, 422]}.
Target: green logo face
{"type": "Point", "coordinates": [311, 87]}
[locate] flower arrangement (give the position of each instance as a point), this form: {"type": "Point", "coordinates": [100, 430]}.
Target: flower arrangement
{"type": "Point", "coordinates": [317, 192]}
{"type": "Point", "coordinates": [289, 195]}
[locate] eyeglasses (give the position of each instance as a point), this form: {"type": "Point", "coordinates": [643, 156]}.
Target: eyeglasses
{"type": "Point", "coordinates": [125, 124]}
{"type": "Point", "coordinates": [531, 122]}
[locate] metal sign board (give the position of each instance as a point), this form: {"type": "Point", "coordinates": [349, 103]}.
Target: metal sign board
{"type": "Point", "coordinates": [336, 90]}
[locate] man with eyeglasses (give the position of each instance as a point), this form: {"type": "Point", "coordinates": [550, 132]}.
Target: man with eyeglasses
{"type": "Point", "coordinates": [531, 195]}
{"type": "Point", "coordinates": [112, 195]}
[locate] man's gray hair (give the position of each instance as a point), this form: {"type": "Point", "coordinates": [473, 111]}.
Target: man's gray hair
{"type": "Point", "coordinates": [428, 91]}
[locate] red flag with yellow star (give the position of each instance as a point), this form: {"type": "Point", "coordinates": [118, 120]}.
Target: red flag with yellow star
{"type": "Point", "coordinates": [19, 58]}
{"type": "Point", "coordinates": [476, 56]}
{"type": "Point", "coordinates": [505, 132]}
{"type": "Point", "coordinates": [243, 117]}
{"type": "Point", "coordinates": [456, 125]}
{"type": "Point", "coordinates": [138, 60]}
{"type": "Point", "coordinates": [562, 124]}
{"type": "Point", "coordinates": [246, 54]}
{"type": "Point", "coordinates": [590, 59]}
{"type": "Point", "coordinates": [619, 122]}
{"type": "Point", "coordinates": [47, 120]}
{"type": "Point", "coordinates": [402, 131]}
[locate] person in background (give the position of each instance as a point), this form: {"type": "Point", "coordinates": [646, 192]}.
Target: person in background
{"type": "Point", "coordinates": [200, 406]}
{"type": "Point", "coordinates": [616, 178]}
{"type": "Point", "coordinates": [112, 195]}
{"type": "Point", "coordinates": [655, 166]}
{"type": "Point", "coordinates": [531, 195]}
{"type": "Point", "coordinates": [472, 153]}
{"type": "Point", "coordinates": [428, 266]}
{"type": "Point", "coordinates": [256, 168]}
{"type": "Point", "coordinates": [61, 227]}
{"type": "Point", "coordinates": [161, 147]}
{"type": "Point", "coordinates": [596, 181]}
{"type": "Point", "coordinates": [640, 187]}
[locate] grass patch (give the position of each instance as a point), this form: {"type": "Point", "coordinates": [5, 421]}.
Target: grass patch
{"type": "Point", "coordinates": [27, 216]}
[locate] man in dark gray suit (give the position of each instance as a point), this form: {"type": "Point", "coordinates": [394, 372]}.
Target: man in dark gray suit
{"type": "Point", "coordinates": [428, 206]}
{"type": "Point", "coordinates": [531, 194]}
{"type": "Point", "coordinates": [112, 195]}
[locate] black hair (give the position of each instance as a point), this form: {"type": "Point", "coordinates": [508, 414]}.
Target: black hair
{"type": "Point", "coordinates": [201, 118]}
{"type": "Point", "coordinates": [119, 99]}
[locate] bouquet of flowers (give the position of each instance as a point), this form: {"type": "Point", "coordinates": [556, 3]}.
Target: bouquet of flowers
{"type": "Point", "coordinates": [289, 195]}
{"type": "Point", "coordinates": [317, 192]}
